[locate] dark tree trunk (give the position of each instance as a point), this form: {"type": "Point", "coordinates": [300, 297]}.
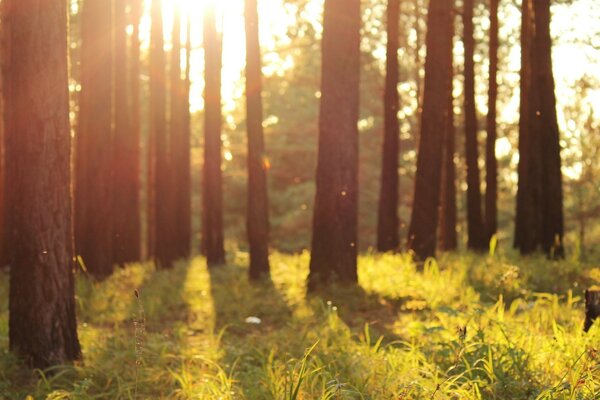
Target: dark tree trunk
{"type": "Point", "coordinates": [95, 142]}
{"type": "Point", "coordinates": [552, 197]}
{"type": "Point", "coordinates": [258, 205]}
{"type": "Point", "coordinates": [126, 177]}
{"type": "Point", "coordinates": [180, 143]}
{"type": "Point", "coordinates": [491, 164]}
{"type": "Point", "coordinates": [387, 221]}
{"type": "Point", "coordinates": [476, 232]}
{"type": "Point", "coordinates": [42, 322]}
{"type": "Point", "coordinates": [424, 219]}
{"type": "Point", "coordinates": [163, 191]}
{"type": "Point", "coordinates": [592, 308]}
{"type": "Point", "coordinates": [3, 247]}
{"type": "Point", "coordinates": [212, 193]}
{"type": "Point", "coordinates": [448, 217]}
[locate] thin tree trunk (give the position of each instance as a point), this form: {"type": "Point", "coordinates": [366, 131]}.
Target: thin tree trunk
{"type": "Point", "coordinates": [335, 221]}
{"type": "Point", "coordinates": [185, 189]}
{"type": "Point", "coordinates": [212, 193]}
{"type": "Point", "coordinates": [448, 217]}
{"type": "Point", "coordinates": [388, 221]}
{"type": "Point", "coordinates": [95, 142]}
{"type": "Point", "coordinates": [126, 177]}
{"type": "Point", "coordinates": [258, 205]}
{"type": "Point", "coordinates": [42, 322]}
{"type": "Point", "coordinates": [476, 232]}
{"type": "Point", "coordinates": [424, 220]}
{"type": "Point", "coordinates": [491, 176]}
{"type": "Point", "coordinates": [3, 247]}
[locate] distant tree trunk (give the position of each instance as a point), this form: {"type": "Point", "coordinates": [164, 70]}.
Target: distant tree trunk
{"type": "Point", "coordinates": [180, 142]}
{"type": "Point", "coordinates": [424, 219]}
{"type": "Point", "coordinates": [491, 176]}
{"type": "Point", "coordinates": [258, 205]}
{"type": "Point", "coordinates": [552, 198]}
{"type": "Point", "coordinates": [3, 247]}
{"type": "Point", "coordinates": [335, 221]}
{"type": "Point", "coordinates": [126, 177]}
{"type": "Point", "coordinates": [212, 193]}
{"type": "Point", "coordinates": [448, 217]}
{"type": "Point", "coordinates": [160, 149]}
{"type": "Point", "coordinates": [476, 233]}
{"type": "Point", "coordinates": [42, 323]}
{"type": "Point", "coordinates": [388, 222]}
{"type": "Point", "coordinates": [185, 190]}
{"type": "Point", "coordinates": [95, 142]}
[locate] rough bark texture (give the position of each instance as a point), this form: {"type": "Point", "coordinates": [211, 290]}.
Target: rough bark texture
{"type": "Point", "coordinates": [95, 144]}
{"type": "Point", "coordinates": [126, 196]}
{"type": "Point", "coordinates": [491, 163]}
{"type": "Point", "coordinates": [476, 232]}
{"type": "Point", "coordinates": [160, 149]}
{"type": "Point", "coordinates": [3, 248]}
{"type": "Point", "coordinates": [212, 193]}
{"type": "Point", "coordinates": [180, 141]}
{"type": "Point", "coordinates": [335, 238]}
{"type": "Point", "coordinates": [258, 205]}
{"type": "Point", "coordinates": [42, 322]}
{"type": "Point", "coordinates": [387, 219]}
{"type": "Point", "coordinates": [424, 219]}
{"type": "Point", "coordinates": [448, 210]}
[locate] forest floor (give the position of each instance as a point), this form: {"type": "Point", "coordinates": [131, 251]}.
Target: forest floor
{"type": "Point", "coordinates": [465, 327]}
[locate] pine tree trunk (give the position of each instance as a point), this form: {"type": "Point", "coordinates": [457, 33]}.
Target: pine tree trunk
{"type": "Point", "coordinates": [42, 322]}
{"type": "Point", "coordinates": [212, 193]}
{"type": "Point", "coordinates": [491, 163]}
{"type": "Point", "coordinates": [388, 221]}
{"type": "Point", "coordinates": [476, 233]}
{"type": "Point", "coordinates": [95, 142]}
{"type": "Point", "coordinates": [3, 247]}
{"type": "Point", "coordinates": [258, 205]}
{"type": "Point", "coordinates": [335, 221]}
{"type": "Point", "coordinates": [448, 217]}
{"type": "Point", "coordinates": [424, 220]}
{"type": "Point", "coordinates": [126, 177]}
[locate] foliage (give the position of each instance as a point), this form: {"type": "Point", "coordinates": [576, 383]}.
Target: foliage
{"type": "Point", "coordinates": [464, 326]}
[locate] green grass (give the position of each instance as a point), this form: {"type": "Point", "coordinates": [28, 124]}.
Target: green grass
{"type": "Point", "coordinates": [465, 327]}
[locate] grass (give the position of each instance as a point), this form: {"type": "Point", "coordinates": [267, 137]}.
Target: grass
{"type": "Point", "coordinates": [465, 327]}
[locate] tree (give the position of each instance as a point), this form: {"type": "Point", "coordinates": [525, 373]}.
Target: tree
{"type": "Point", "coordinates": [212, 193]}
{"type": "Point", "coordinates": [335, 220]}
{"type": "Point", "coordinates": [448, 218]}
{"type": "Point", "coordinates": [2, 164]}
{"type": "Point", "coordinates": [388, 221]}
{"type": "Point", "coordinates": [42, 322]}
{"type": "Point", "coordinates": [258, 204]}
{"type": "Point", "coordinates": [95, 144]}
{"type": "Point", "coordinates": [424, 219]}
{"type": "Point", "coordinates": [476, 235]}
{"type": "Point", "coordinates": [491, 163]}
{"type": "Point", "coordinates": [126, 194]}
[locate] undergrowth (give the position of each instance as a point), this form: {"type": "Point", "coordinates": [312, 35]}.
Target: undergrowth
{"type": "Point", "coordinates": [463, 327]}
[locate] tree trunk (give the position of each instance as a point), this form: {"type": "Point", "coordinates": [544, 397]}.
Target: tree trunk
{"type": "Point", "coordinates": [258, 205]}
{"type": "Point", "coordinates": [388, 221]}
{"type": "Point", "coordinates": [448, 217]}
{"type": "Point", "coordinates": [95, 142]}
{"type": "Point", "coordinates": [42, 322]}
{"type": "Point", "coordinates": [212, 193]}
{"type": "Point", "coordinates": [424, 219]}
{"type": "Point", "coordinates": [163, 191]}
{"type": "Point", "coordinates": [335, 221]}
{"type": "Point", "coordinates": [491, 176]}
{"type": "Point", "coordinates": [476, 233]}
{"type": "Point", "coordinates": [126, 178]}
{"type": "Point", "coordinates": [3, 248]}
{"type": "Point", "coordinates": [592, 308]}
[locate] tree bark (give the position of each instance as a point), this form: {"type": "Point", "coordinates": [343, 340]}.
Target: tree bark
{"type": "Point", "coordinates": [424, 219]}
{"type": "Point", "coordinates": [592, 308]}
{"type": "Point", "coordinates": [335, 220]}
{"type": "Point", "coordinates": [476, 232]}
{"type": "Point", "coordinates": [42, 322]}
{"type": "Point", "coordinates": [388, 221]}
{"type": "Point", "coordinates": [95, 142]}
{"type": "Point", "coordinates": [491, 176]}
{"type": "Point", "coordinates": [212, 193]}
{"type": "Point", "coordinates": [3, 248]}
{"type": "Point", "coordinates": [127, 239]}
{"type": "Point", "coordinates": [258, 205]}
